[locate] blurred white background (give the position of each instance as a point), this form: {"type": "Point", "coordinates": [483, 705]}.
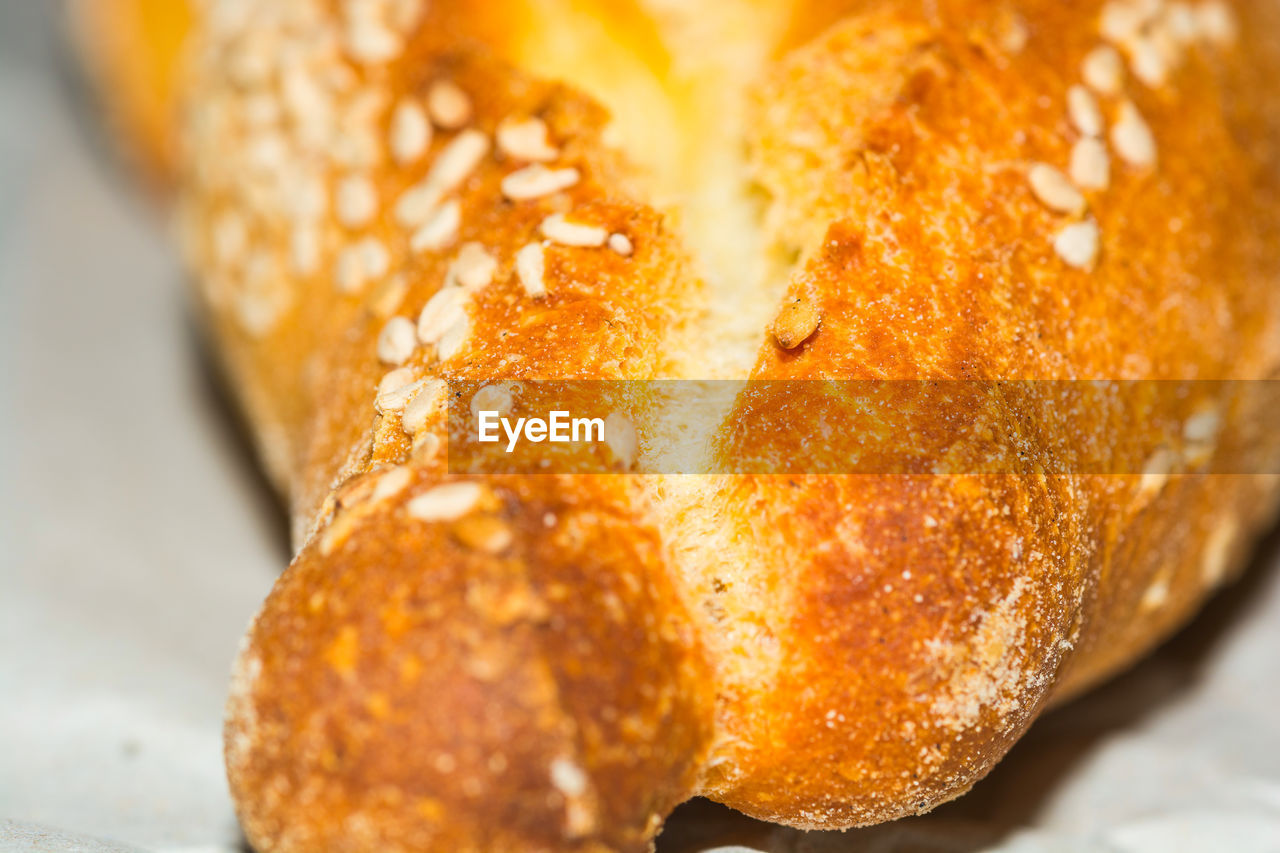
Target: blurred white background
{"type": "Point", "coordinates": [136, 540]}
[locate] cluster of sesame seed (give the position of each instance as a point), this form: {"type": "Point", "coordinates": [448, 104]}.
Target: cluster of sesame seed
{"type": "Point", "coordinates": [1152, 35]}
{"type": "Point", "coordinates": [285, 141]}
{"type": "Point", "coordinates": [444, 322]}
{"type": "Point", "coordinates": [294, 139]}
{"type": "Point", "coordinates": [433, 219]}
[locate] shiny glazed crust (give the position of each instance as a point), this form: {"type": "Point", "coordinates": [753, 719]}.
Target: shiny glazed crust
{"type": "Point", "coordinates": [954, 189]}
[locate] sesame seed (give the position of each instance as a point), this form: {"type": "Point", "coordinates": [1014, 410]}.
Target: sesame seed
{"type": "Point", "coordinates": [424, 405]}
{"type": "Point", "coordinates": [304, 249]}
{"type": "Point", "coordinates": [1216, 22]}
{"type": "Point", "coordinates": [449, 106]}
{"type": "Point", "coordinates": [410, 132]}
{"type": "Point", "coordinates": [308, 199]}
{"type": "Point", "coordinates": [1202, 426]}
{"type": "Point", "coordinates": [393, 379]}
{"type": "Point", "coordinates": [1216, 557]}
{"type": "Point", "coordinates": [1015, 35]}
{"type": "Point", "coordinates": [568, 778]}
{"type": "Point", "coordinates": [376, 258]}
{"type": "Point", "coordinates": [536, 181]}
{"type": "Point", "coordinates": [795, 323]}
{"type": "Point", "coordinates": [425, 395]}
{"type": "Point", "coordinates": [621, 244]}
{"type": "Point", "coordinates": [1083, 110]}
{"type": "Point", "coordinates": [440, 229]}
{"type": "Point", "coordinates": [360, 263]}
{"type": "Point", "coordinates": [387, 299]}
{"type": "Point", "coordinates": [1149, 9]}
{"type": "Point", "coordinates": [1148, 62]}
{"type": "Point", "coordinates": [1180, 21]}
{"type": "Point", "coordinates": [1156, 470]}
{"type": "Point", "coordinates": [531, 264]}
{"type": "Point", "coordinates": [1090, 166]}
{"type": "Point", "coordinates": [302, 94]}
{"type": "Point", "coordinates": [405, 15]}
{"type": "Point", "coordinates": [492, 398]}
{"type": "Point", "coordinates": [1155, 595]}
{"type": "Point", "coordinates": [1103, 71]}
{"type": "Point", "coordinates": [483, 533]}
{"type": "Point", "coordinates": [425, 446]}
{"type": "Point", "coordinates": [395, 398]}
{"type": "Point", "coordinates": [369, 42]}
{"type": "Point", "coordinates": [1054, 190]}
{"type": "Point", "coordinates": [559, 230]}
{"type": "Point", "coordinates": [268, 152]}
{"type": "Point", "coordinates": [365, 105]}
{"type": "Point", "coordinates": [446, 503]}
{"type": "Point", "coordinates": [348, 272]}
{"type": "Point", "coordinates": [1132, 139]}
{"type": "Point", "coordinates": [390, 484]}
{"type": "Point", "coordinates": [356, 201]}
{"type": "Point", "coordinates": [452, 166]}
{"type": "Point", "coordinates": [358, 147]}
{"type": "Point", "coordinates": [459, 159]}
{"type": "Point", "coordinates": [525, 139]}
{"type": "Point", "coordinates": [259, 312]}
{"type": "Point", "coordinates": [473, 269]}
{"type": "Point", "coordinates": [1167, 43]}
{"type": "Point", "coordinates": [1077, 244]}
{"type": "Point", "coordinates": [417, 204]}
{"type": "Point", "coordinates": [1121, 21]}
{"type": "Point", "coordinates": [454, 339]}
{"type": "Point", "coordinates": [441, 312]}
{"type": "Point", "coordinates": [336, 532]}
{"type": "Point", "coordinates": [397, 341]}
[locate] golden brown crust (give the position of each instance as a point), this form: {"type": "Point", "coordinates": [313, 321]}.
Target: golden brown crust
{"type": "Point", "coordinates": [587, 726]}
{"type": "Point", "coordinates": [462, 702]}
{"type": "Point", "coordinates": [953, 608]}
{"type": "Point", "coordinates": [970, 191]}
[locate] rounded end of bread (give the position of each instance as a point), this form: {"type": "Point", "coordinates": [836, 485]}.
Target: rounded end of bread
{"type": "Point", "coordinates": [901, 672]}
{"type": "Point", "coordinates": [529, 686]}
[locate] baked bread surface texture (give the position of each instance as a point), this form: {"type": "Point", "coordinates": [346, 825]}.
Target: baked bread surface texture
{"type": "Point", "coordinates": [376, 195]}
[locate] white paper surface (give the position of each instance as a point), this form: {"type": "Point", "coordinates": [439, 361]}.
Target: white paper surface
{"type": "Point", "coordinates": [136, 540]}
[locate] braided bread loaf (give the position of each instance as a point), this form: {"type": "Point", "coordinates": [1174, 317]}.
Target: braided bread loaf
{"type": "Point", "coordinates": [377, 194]}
